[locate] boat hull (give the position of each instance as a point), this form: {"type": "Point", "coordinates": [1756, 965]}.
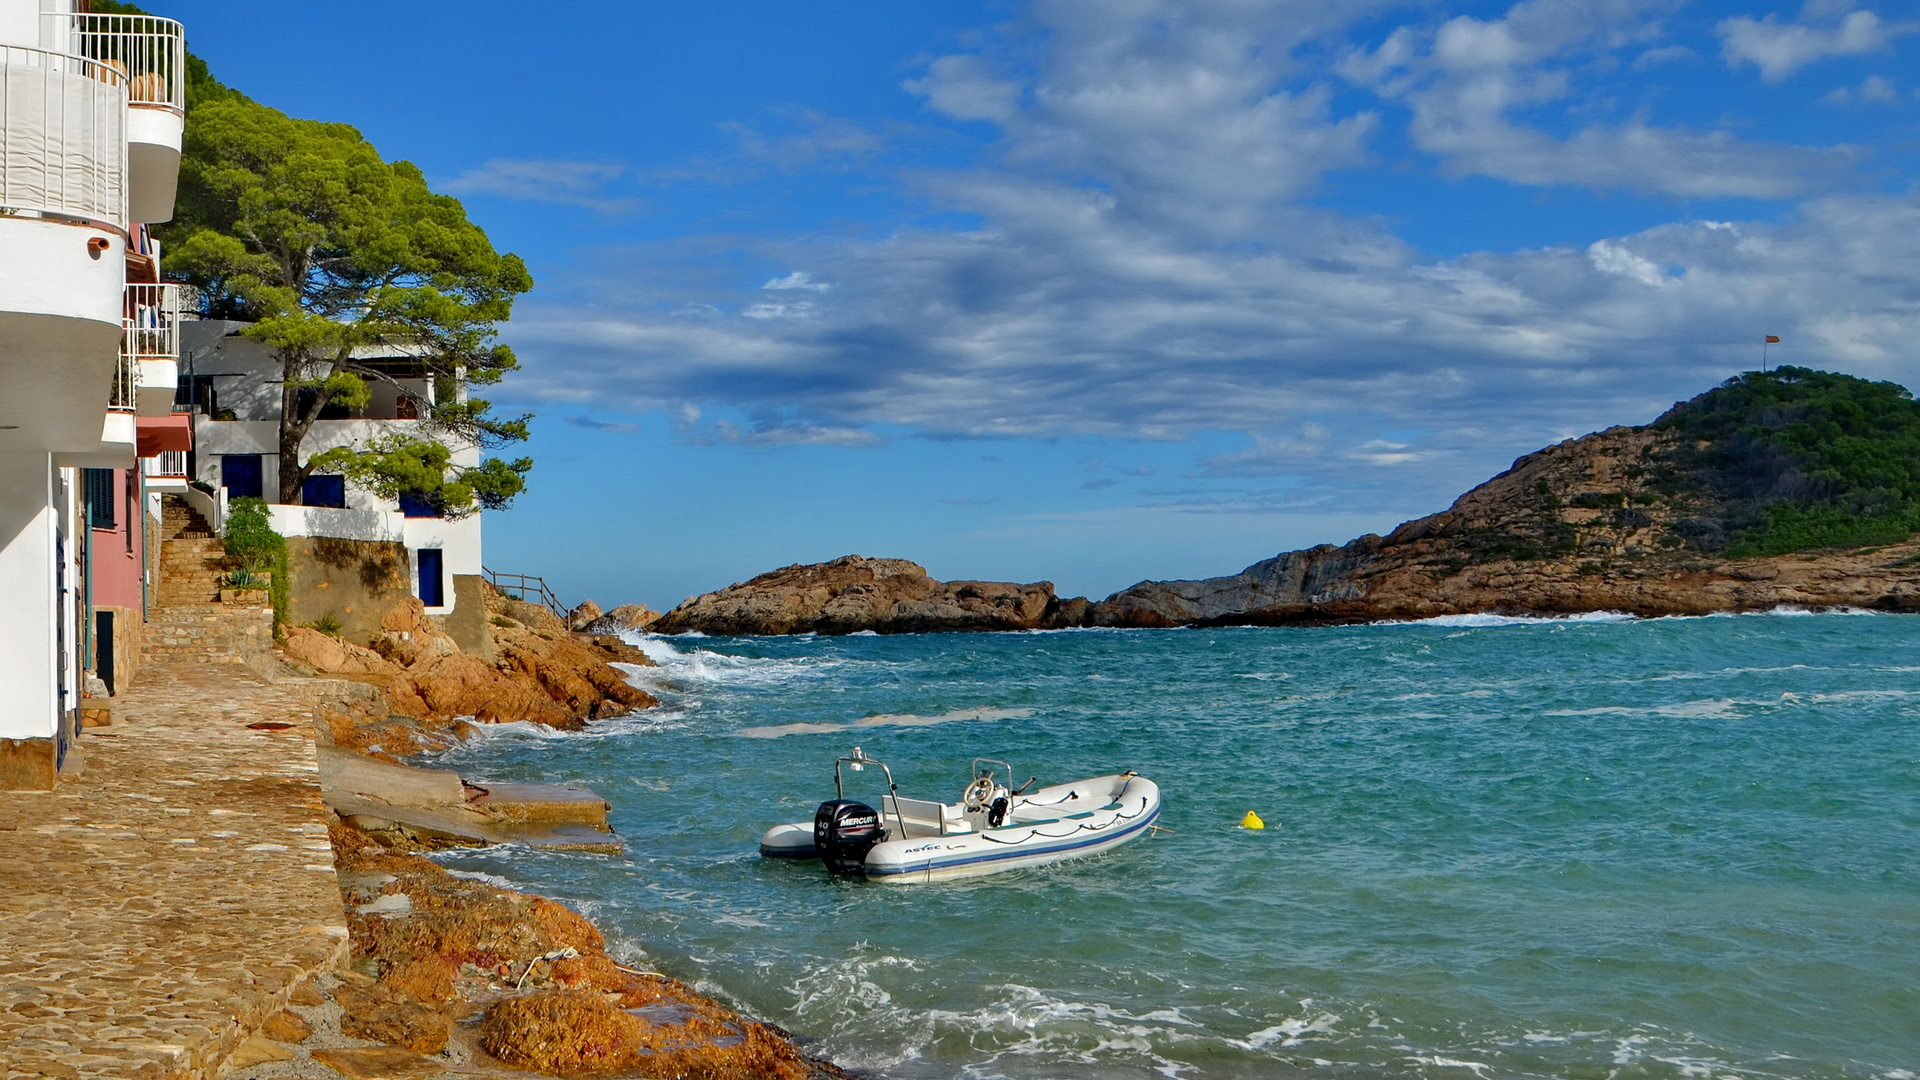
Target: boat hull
{"type": "Point", "coordinates": [1127, 811]}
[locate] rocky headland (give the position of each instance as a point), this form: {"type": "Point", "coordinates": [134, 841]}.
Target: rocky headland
{"type": "Point", "coordinates": [1782, 488]}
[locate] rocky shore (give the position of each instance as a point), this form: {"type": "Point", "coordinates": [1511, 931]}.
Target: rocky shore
{"type": "Point", "coordinates": [450, 973]}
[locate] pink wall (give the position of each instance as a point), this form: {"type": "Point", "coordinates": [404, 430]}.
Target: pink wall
{"type": "Point", "coordinates": [116, 569]}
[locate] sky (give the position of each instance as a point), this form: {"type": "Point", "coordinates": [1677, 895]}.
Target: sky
{"type": "Point", "coordinates": [1100, 292]}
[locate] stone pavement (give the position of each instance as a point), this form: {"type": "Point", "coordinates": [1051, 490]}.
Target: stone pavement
{"type": "Point", "coordinates": [156, 909]}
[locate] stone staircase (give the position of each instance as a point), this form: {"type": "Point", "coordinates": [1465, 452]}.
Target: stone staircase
{"type": "Point", "coordinates": [186, 622]}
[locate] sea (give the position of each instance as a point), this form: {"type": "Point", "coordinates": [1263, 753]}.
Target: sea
{"type": "Point", "coordinates": [1597, 848]}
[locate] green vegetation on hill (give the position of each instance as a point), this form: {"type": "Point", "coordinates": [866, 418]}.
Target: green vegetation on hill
{"type": "Point", "coordinates": [1801, 459]}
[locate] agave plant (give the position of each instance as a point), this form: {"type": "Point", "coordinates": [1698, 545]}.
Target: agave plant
{"type": "Point", "coordinates": [244, 578]}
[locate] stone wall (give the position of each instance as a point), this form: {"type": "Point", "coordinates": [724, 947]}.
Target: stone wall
{"type": "Point", "coordinates": [26, 765]}
{"type": "Point", "coordinates": [127, 635]}
{"type": "Point", "coordinates": [353, 581]}
{"type": "Point", "coordinates": [467, 624]}
{"type": "Point", "coordinates": [212, 634]}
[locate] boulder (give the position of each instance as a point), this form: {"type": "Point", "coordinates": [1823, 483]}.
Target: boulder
{"type": "Point", "coordinates": [459, 685]}
{"type": "Point", "coordinates": [382, 1014]}
{"type": "Point", "coordinates": [329, 654]}
{"type": "Point", "coordinates": [583, 616]}
{"type": "Point", "coordinates": [625, 617]}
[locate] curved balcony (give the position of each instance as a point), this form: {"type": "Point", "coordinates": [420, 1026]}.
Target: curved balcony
{"type": "Point", "coordinates": [65, 149]}
{"type": "Point", "coordinates": [150, 53]}
{"type": "Point", "coordinates": [119, 432]}
{"type": "Point", "coordinates": [151, 343]}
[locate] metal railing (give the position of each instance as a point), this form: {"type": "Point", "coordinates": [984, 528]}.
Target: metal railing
{"type": "Point", "coordinates": [64, 154]}
{"type": "Point", "coordinates": [126, 380]}
{"type": "Point", "coordinates": [151, 322]}
{"type": "Point", "coordinates": [150, 51]}
{"type": "Point", "coordinates": [168, 463]}
{"type": "Point", "coordinates": [526, 588]}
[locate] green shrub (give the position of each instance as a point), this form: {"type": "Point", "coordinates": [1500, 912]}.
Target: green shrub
{"type": "Point", "coordinates": [254, 548]}
{"type": "Point", "coordinates": [327, 624]}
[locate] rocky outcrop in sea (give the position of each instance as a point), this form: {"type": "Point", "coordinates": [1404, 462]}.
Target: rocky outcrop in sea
{"type": "Point", "coordinates": [855, 593]}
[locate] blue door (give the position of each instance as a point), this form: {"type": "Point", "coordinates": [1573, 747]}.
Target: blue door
{"type": "Point", "coordinates": [240, 475]}
{"type": "Point", "coordinates": [431, 592]}
{"type": "Point", "coordinates": [324, 490]}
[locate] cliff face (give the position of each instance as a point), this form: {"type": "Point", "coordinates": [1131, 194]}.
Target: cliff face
{"type": "Point", "coordinates": [854, 593]}
{"type": "Point", "coordinates": [1620, 520]}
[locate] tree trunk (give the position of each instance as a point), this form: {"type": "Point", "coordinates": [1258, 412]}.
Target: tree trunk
{"type": "Point", "coordinates": [293, 428]}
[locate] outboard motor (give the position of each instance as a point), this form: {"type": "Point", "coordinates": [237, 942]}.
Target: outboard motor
{"type": "Point", "coordinates": [843, 833]}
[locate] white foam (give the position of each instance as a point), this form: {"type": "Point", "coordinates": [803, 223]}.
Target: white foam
{"type": "Point", "coordinates": [1487, 619]}
{"type": "Point", "coordinates": [1479, 1068]}
{"type": "Point", "coordinates": [1289, 1032]}
{"type": "Point", "coordinates": [884, 720]}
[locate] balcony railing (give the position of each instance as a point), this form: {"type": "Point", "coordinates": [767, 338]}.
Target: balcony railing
{"type": "Point", "coordinates": [152, 323]}
{"type": "Point", "coordinates": [64, 154]}
{"type": "Point", "coordinates": [150, 51]}
{"type": "Point", "coordinates": [168, 463]}
{"type": "Point", "coordinates": [126, 380]}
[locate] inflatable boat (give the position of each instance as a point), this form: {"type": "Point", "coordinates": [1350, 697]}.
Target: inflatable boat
{"type": "Point", "coordinates": [993, 827]}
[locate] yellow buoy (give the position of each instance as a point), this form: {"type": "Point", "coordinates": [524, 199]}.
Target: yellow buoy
{"type": "Point", "coordinates": [1252, 821]}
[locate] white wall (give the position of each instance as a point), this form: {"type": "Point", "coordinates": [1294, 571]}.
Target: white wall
{"type": "Point", "coordinates": [29, 703]}
{"type": "Point", "coordinates": [459, 544]}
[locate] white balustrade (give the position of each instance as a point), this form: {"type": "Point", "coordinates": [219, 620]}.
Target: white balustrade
{"type": "Point", "coordinates": [63, 136]}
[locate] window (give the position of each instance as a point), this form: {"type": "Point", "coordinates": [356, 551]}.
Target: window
{"type": "Point", "coordinates": [415, 505]}
{"type": "Point", "coordinates": [240, 475]}
{"type": "Point", "coordinates": [324, 491]}
{"type": "Point", "coordinates": [100, 500]}
{"type": "Point", "coordinates": [329, 411]}
{"type": "Point", "coordinates": [432, 594]}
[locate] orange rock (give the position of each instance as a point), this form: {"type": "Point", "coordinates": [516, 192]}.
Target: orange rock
{"type": "Point", "coordinates": [286, 1027]}
{"type": "Point", "coordinates": [383, 1014]}
{"type": "Point", "coordinates": [324, 652]}
{"type": "Point", "coordinates": [427, 978]}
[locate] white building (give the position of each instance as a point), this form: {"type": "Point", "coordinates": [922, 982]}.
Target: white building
{"type": "Point", "coordinates": [234, 383]}
{"type": "Point", "coordinates": [93, 107]}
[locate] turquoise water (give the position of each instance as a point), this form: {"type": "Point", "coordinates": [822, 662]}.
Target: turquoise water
{"type": "Point", "coordinates": [1495, 848]}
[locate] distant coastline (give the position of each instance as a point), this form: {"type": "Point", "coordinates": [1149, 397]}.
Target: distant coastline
{"type": "Point", "coordinates": [1769, 491]}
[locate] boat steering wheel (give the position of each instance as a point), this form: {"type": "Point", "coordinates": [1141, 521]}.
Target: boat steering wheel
{"type": "Point", "coordinates": [978, 792]}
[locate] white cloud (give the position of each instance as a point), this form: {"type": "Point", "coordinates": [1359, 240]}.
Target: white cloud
{"type": "Point", "coordinates": [1873, 88]}
{"type": "Point", "coordinates": [1615, 259]}
{"type": "Point", "coordinates": [1779, 49]}
{"type": "Point", "coordinates": [797, 280]}
{"type": "Point", "coordinates": [964, 88]}
{"type": "Point", "coordinates": [1139, 262]}
{"type": "Point", "coordinates": [1468, 80]}
{"type": "Point", "coordinates": [568, 183]}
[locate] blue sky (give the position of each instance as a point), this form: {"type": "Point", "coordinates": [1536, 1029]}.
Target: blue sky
{"type": "Point", "coordinates": [1101, 292]}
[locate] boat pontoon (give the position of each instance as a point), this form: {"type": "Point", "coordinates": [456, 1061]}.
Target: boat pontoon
{"type": "Point", "coordinates": [993, 827]}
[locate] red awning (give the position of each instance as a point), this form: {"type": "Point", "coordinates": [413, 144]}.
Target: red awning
{"type": "Point", "coordinates": [157, 433]}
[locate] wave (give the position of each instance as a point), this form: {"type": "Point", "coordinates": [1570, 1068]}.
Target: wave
{"type": "Point", "coordinates": [883, 720]}
{"type": "Point", "coordinates": [1486, 619]}
{"type": "Point", "coordinates": [705, 666]}
{"type": "Point", "coordinates": [1479, 620]}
